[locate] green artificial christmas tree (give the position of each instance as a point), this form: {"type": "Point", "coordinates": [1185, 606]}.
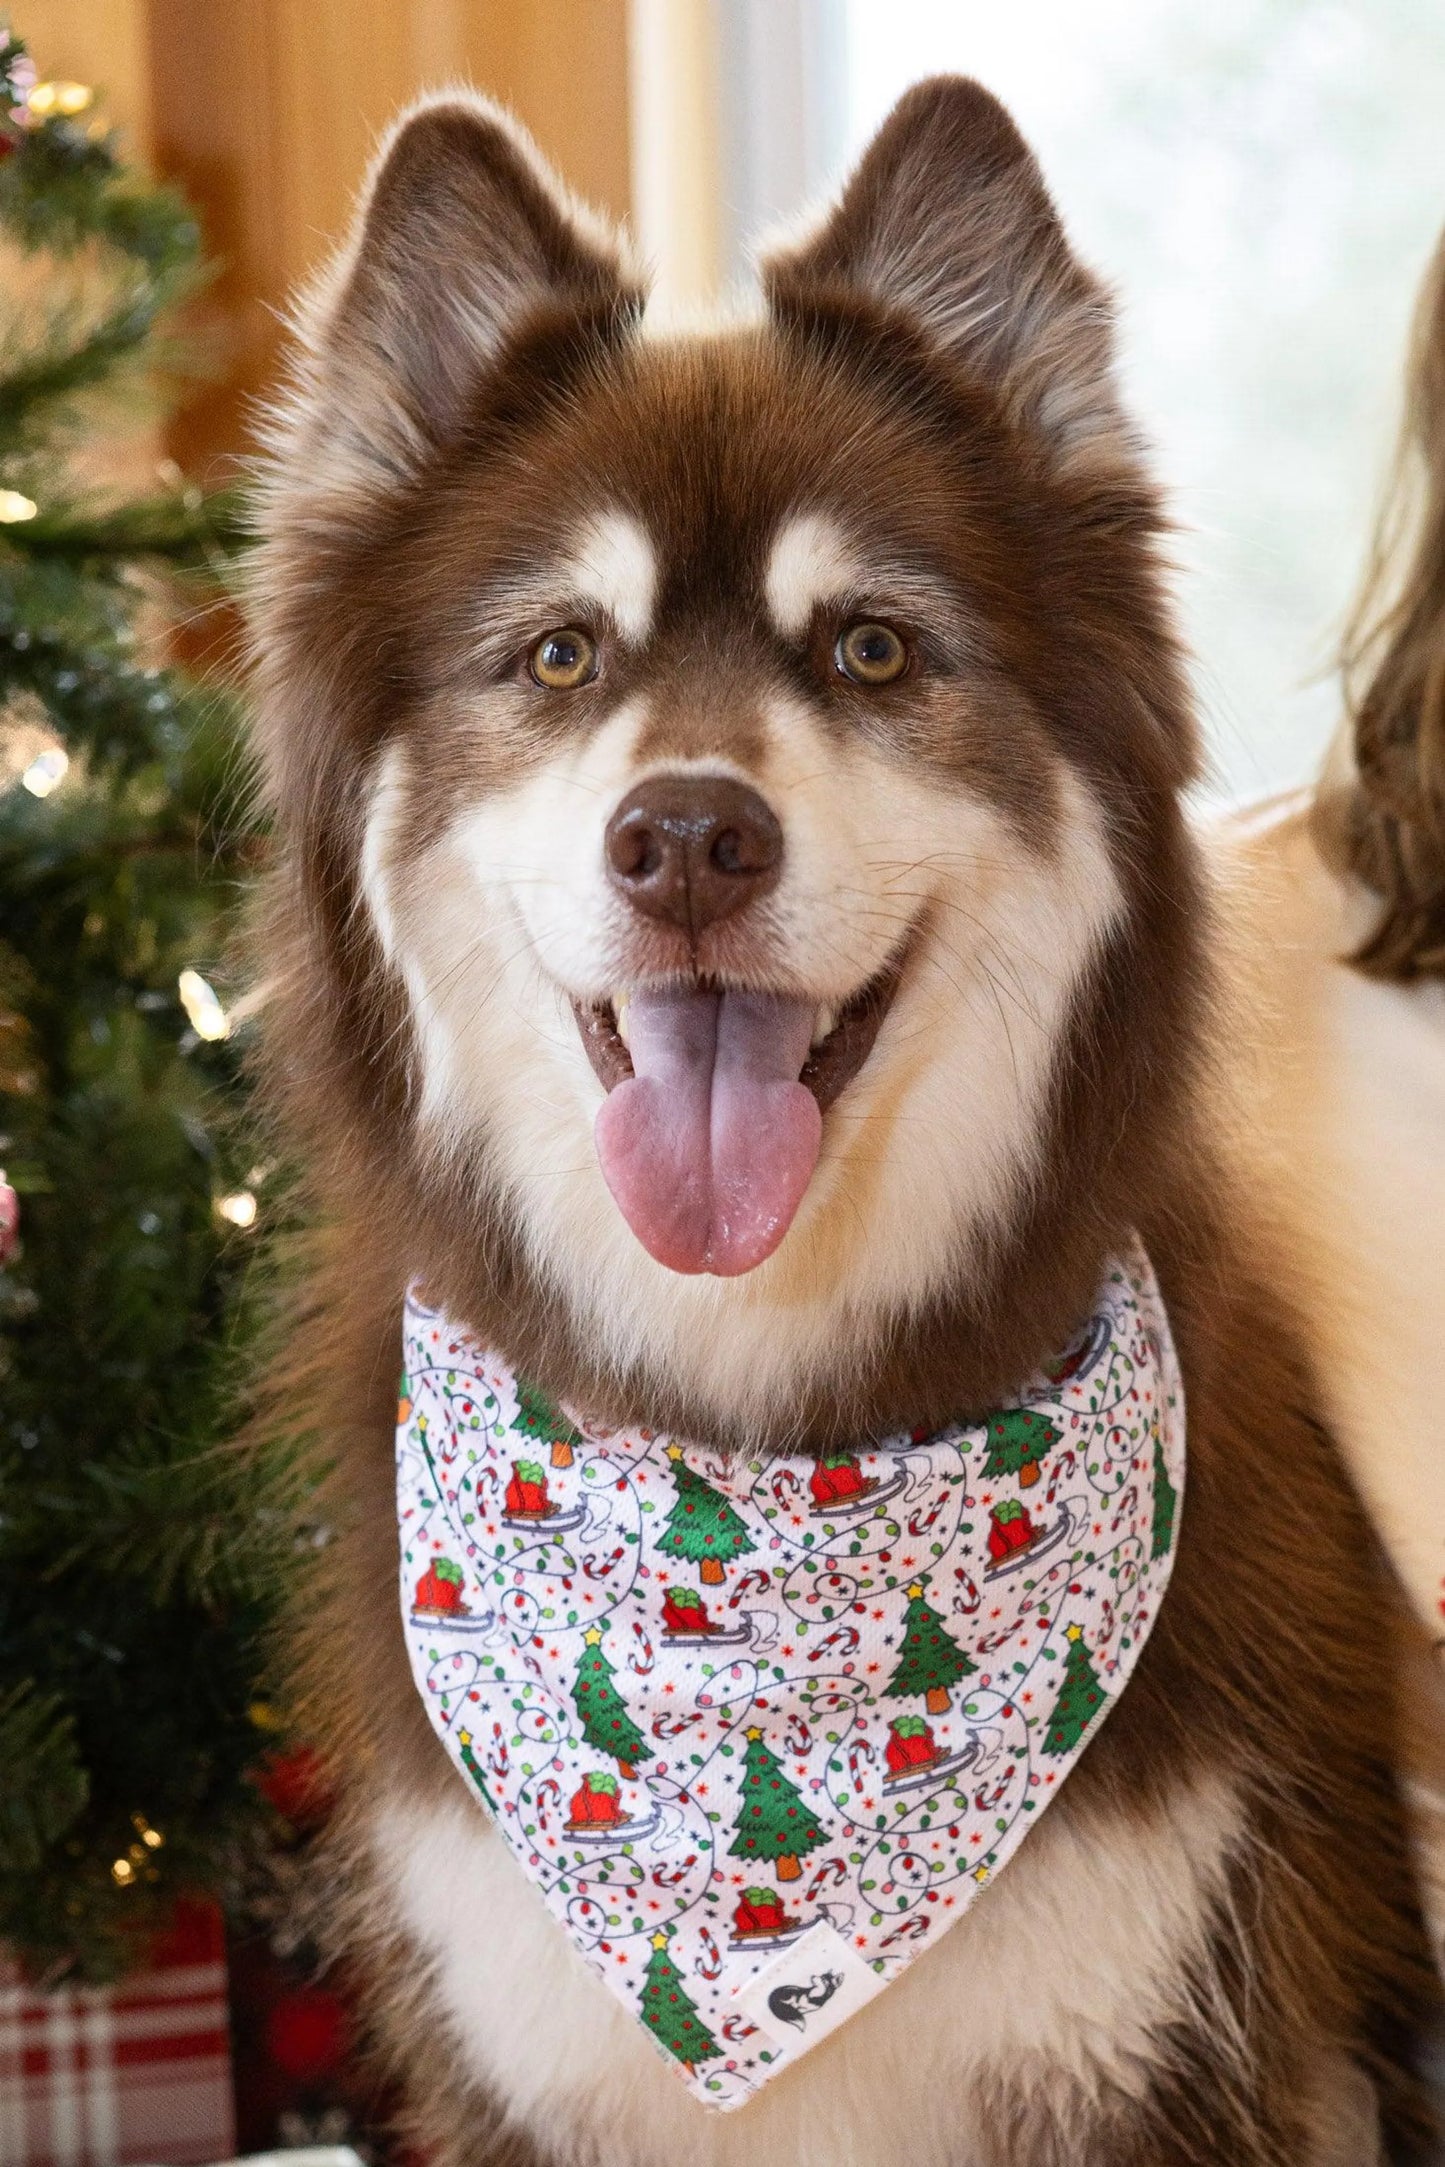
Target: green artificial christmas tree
{"type": "Point", "coordinates": [669, 2014]}
{"type": "Point", "coordinates": [772, 1821]}
{"type": "Point", "coordinates": [1081, 1697]}
{"type": "Point", "coordinates": [1018, 1438]}
{"type": "Point", "coordinates": [139, 1558]}
{"type": "Point", "coordinates": [539, 1417]}
{"type": "Point", "coordinates": [702, 1526]}
{"type": "Point", "coordinates": [1165, 1503]}
{"type": "Point", "coordinates": [929, 1662]}
{"type": "Point", "coordinates": [601, 1710]}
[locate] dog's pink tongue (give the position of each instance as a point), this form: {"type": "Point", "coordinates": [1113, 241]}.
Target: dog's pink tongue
{"type": "Point", "coordinates": [709, 1145]}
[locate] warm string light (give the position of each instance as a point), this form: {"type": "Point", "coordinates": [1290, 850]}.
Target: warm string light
{"type": "Point", "coordinates": [66, 99]}
{"type": "Point", "coordinates": [239, 1209]}
{"type": "Point", "coordinates": [124, 1871]}
{"type": "Point", "coordinates": [14, 507]}
{"type": "Point", "coordinates": [46, 770]}
{"type": "Point", "coordinates": [207, 1017]}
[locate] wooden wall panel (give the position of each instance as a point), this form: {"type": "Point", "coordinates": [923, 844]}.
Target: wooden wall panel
{"type": "Point", "coordinates": [267, 112]}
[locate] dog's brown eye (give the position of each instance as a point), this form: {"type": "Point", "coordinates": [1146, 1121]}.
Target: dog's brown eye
{"type": "Point", "coordinates": [871, 654]}
{"type": "Point", "coordinates": [563, 660]}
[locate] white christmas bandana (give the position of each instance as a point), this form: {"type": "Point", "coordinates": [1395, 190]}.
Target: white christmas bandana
{"type": "Point", "coordinates": [760, 1730]}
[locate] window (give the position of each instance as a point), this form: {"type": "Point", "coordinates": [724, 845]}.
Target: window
{"type": "Point", "coordinates": [1261, 181]}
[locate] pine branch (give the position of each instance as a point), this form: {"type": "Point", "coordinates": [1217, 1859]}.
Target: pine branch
{"type": "Point", "coordinates": [142, 1556]}
{"type": "Point", "coordinates": [43, 1785]}
{"type": "Point", "coordinates": [60, 369]}
{"type": "Point", "coordinates": [184, 529]}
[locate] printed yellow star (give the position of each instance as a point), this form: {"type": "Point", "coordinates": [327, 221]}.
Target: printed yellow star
{"type": "Point", "coordinates": [674, 1452]}
{"type": "Point", "coordinates": [464, 1738]}
{"type": "Point", "coordinates": [980, 1873]}
{"type": "Point", "coordinates": [915, 1591]}
{"type": "Point", "coordinates": [593, 1636]}
{"type": "Point", "coordinates": [1073, 1632]}
{"type": "Point", "coordinates": [659, 1939]}
{"type": "Point", "coordinates": [756, 1731]}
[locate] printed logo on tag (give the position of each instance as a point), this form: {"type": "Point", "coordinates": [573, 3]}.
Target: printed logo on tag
{"type": "Point", "coordinates": [809, 1990]}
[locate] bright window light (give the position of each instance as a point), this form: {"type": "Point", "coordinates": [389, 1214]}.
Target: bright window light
{"type": "Point", "coordinates": [1262, 185]}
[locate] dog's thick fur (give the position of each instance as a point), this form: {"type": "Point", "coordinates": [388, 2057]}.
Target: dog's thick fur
{"type": "Point", "coordinates": [1209, 1951]}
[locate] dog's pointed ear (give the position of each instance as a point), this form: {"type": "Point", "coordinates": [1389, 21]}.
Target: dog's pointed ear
{"type": "Point", "coordinates": [947, 222]}
{"type": "Point", "coordinates": [463, 236]}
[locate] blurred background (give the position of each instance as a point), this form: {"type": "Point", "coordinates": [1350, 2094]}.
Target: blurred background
{"type": "Point", "coordinates": [1260, 180]}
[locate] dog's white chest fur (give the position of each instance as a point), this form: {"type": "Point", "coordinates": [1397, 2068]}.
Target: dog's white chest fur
{"type": "Point", "coordinates": [1061, 1976]}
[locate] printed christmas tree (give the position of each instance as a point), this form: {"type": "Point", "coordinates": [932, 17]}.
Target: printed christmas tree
{"type": "Point", "coordinates": [542, 1418]}
{"type": "Point", "coordinates": [772, 1821]}
{"type": "Point", "coordinates": [702, 1526]}
{"type": "Point", "coordinates": [1165, 1502]}
{"type": "Point", "coordinates": [929, 1661]}
{"type": "Point", "coordinates": [669, 2014]}
{"type": "Point", "coordinates": [1081, 1696]}
{"type": "Point", "coordinates": [606, 1725]}
{"type": "Point", "coordinates": [473, 1768]}
{"type": "Point", "coordinates": [1018, 1438]}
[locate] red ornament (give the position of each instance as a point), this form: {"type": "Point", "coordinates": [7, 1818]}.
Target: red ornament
{"type": "Point", "coordinates": [307, 2033]}
{"type": "Point", "coordinates": [298, 1785]}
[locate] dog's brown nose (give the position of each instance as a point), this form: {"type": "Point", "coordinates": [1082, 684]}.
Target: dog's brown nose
{"type": "Point", "coordinates": [692, 849]}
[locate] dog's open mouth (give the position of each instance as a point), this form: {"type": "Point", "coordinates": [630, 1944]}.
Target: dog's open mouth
{"type": "Point", "coordinates": [713, 1119]}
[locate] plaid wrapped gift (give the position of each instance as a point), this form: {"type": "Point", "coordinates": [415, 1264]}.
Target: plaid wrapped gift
{"type": "Point", "coordinates": [135, 2075]}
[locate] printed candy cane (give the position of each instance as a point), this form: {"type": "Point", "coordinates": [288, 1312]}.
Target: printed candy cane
{"type": "Point", "coordinates": [861, 1755]}
{"type": "Point", "coordinates": [641, 1658]}
{"type": "Point", "coordinates": [1128, 1507]}
{"type": "Point", "coordinates": [548, 1790]}
{"type": "Point", "coordinates": [913, 1928]}
{"type": "Point", "coordinates": [842, 1641]}
{"type": "Point", "coordinates": [756, 1582]}
{"type": "Point", "coordinates": [593, 1571]}
{"type": "Point", "coordinates": [920, 1522]}
{"type": "Point", "coordinates": [786, 1487]}
{"type": "Point", "coordinates": [668, 1877]}
{"type": "Point", "coordinates": [798, 1738]}
{"type": "Point", "coordinates": [669, 1725]}
{"type": "Point", "coordinates": [736, 2028]}
{"type": "Point", "coordinates": [836, 1868]}
{"type": "Point", "coordinates": [1061, 1464]}
{"type": "Point", "coordinates": [967, 1596]}
{"type": "Point", "coordinates": [709, 1963]}
{"type": "Point", "coordinates": [498, 1759]}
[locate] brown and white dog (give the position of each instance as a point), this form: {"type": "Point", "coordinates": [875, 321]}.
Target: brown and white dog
{"type": "Point", "coordinates": [764, 747]}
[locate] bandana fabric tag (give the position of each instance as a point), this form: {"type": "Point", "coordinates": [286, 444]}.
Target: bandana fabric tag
{"type": "Point", "coordinates": [760, 1730]}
